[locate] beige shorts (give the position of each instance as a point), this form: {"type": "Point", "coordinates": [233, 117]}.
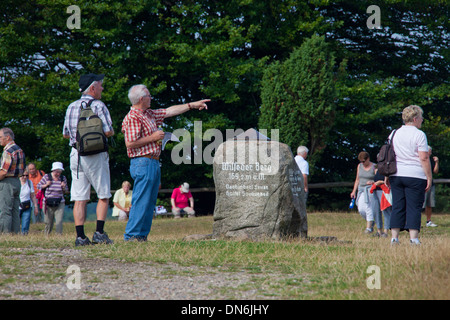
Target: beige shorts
{"type": "Point", "coordinates": [93, 171]}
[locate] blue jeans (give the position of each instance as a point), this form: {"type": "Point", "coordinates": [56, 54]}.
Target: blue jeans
{"type": "Point", "coordinates": [387, 217]}
{"type": "Point", "coordinates": [146, 174]}
{"type": "Point", "coordinates": [25, 216]}
{"type": "Point", "coordinates": [375, 203]}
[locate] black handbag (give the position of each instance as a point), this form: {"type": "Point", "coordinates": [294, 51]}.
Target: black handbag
{"type": "Point", "coordinates": [53, 202]}
{"type": "Point", "coordinates": [386, 159]}
{"type": "Point", "coordinates": [25, 205]}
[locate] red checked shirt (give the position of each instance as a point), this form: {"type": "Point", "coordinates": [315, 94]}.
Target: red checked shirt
{"type": "Point", "coordinates": [138, 124]}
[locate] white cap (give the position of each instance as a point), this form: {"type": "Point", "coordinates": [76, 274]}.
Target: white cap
{"type": "Point", "coordinates": [57, 166]}
{"type": "Point", "coordinates": [185, 187]}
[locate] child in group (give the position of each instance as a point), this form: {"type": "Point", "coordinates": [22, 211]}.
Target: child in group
{"type": "Point", "coordinates": [383, 193]}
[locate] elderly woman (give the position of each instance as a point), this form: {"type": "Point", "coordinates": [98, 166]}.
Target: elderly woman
{"type": "Point", "coordinates": [122, 202]}
{"type": "Point", "coordinates": [54, 186]}
{"type": "Point", "coordinates": [27, 202]}
{"type": "Point", "coordinates": [413, 177]}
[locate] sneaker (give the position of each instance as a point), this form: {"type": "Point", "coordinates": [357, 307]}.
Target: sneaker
{"type": "Point", "coordinates": [414, 242]}
{"type": "Point", "coordinates": [394, 242]}
{"type": "Point", "coordinates": [80, 242]}
{"type": "Point", "coordinates": [431, 224]}
{"type": "Point", "coordinates": [368, 230]}
{"type": "Point", "coordinates": [99, 238]}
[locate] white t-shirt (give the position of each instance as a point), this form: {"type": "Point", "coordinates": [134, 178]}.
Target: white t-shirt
{"type": "Point", "coordinates": [408, 141]}
{"type": "Point", "coordinates": [302, 164]}
{"type": "Point", "coordinates": [26, 190]}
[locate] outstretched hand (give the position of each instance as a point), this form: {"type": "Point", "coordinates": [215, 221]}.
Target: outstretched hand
{"type": "Point", "coordinates": [200, 105]}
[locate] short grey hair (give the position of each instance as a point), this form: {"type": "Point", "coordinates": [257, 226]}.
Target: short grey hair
{"type": "Point", "coordinates": [302, 150]}
{"type": "Point", "coordinates": [90, 86]}
{"type": "Point", "coordinates": [7, 132]}
{"type": "Point", "coordinates": [136, 92]}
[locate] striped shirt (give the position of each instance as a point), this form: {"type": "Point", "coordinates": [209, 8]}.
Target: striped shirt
{"type": "Point", "coordinates": [73, 113]}
{"type": "Point", "coordinates": [138, 124]}
{"type": "Point", "coordinates": [13, 160]}
{"type": "Point", "coordinates": [54, 190]}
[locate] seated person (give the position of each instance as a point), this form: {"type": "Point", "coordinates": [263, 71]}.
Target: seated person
{"type": "Point", "coordinates": [122, 202]}
{"type": "Point", "coordinates": [182, 201]}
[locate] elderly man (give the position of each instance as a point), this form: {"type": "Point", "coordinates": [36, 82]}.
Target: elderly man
{"type": "Point", "coordinates": [300, 158]}
{"type": "Point", "coordinates": [142, 139]}
{"type": "Point", "coordinates": [35, 176]}
{"type": "Point", "coordinates": [12, 166]}
{"type": "Point", "coordinates": [91, 170]}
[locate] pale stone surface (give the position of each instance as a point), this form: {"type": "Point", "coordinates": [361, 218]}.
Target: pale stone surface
{"type": "Point", "coordinates": [259, 191]}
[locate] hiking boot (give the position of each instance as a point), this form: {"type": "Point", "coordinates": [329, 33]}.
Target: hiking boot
{"type": "Point", "coordinates": [136, 238]}
{"type": "Point", "coordinates": [99, 238]}
{"type": "Point", "coordinates": [80, 242]}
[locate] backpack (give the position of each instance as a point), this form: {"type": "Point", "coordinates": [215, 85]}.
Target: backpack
{"type": "Point", "coordinates": [90, 136]}
{"type": "Point", "coordinates": [387, 162]}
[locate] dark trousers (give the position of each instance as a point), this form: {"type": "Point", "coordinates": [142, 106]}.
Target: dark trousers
{"type": "Point", "coordinates": [408, 195]}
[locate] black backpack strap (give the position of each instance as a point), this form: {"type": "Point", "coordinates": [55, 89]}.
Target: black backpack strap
{"type": "Point", "coordinates": [392, 138]}
{"type": "Point", "coordinates": [87, 104]}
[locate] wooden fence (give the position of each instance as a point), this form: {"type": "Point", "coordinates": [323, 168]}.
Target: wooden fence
{"type": "Point", "coordinates": [311, 186]}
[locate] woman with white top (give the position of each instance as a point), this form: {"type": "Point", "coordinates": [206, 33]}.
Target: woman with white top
{"type": "Point", "coordinates": [27, 202]}
{"type": "Point", "coordinates": [413, 177]}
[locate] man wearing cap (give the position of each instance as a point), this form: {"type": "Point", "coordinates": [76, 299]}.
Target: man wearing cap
{"type": "Point", "coordinates": [54, 185]}
{"type": "Point", "coordinates": [182, 201]}
{"type": "Point", "coordinates": [142, 139]}
{"type": "Point", "coordinates": [93, 170]}
{"type": "Point", "coordinates": [12, 166]}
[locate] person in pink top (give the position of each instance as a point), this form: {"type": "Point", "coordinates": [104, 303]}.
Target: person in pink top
{"type": "Point", "coordinates": [182, 201]}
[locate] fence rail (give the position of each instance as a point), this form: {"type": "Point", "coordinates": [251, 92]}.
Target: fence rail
{"type": "Point", "coordinates": [311, 186]}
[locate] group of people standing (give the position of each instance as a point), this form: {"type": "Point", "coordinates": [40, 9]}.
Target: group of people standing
{"type": "Point", "coordinates": [141, 129]}
{"type": "Point", "coordinates": [25, 190]}
{"type": "Point", "coordinates": [401, 196]}
{"type": "Point", "coordinates": [142, 140]}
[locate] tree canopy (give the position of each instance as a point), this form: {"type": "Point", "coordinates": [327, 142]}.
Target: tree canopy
{"type": "Point", "coordinates": [188, 50]}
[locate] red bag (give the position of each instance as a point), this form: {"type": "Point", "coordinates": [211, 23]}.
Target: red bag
{"type": "Point", "coordinates": [40, 198]}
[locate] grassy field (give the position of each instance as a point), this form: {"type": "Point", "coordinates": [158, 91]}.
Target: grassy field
{"type": "Point", "coordinates": [341, 269]}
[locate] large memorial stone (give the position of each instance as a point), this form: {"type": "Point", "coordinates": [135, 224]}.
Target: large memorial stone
{"type": "Point", "coordinates": [259, 190]}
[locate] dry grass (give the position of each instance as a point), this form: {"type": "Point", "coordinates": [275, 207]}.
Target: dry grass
{"type": "Point", "coordinates": [307, 269]}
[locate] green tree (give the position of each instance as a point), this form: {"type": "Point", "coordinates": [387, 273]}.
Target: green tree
{"type": "Point", "coordinates": [187, 50]}
{"type": "Point", "coordinates": [298, 96]}
{"type": "Point", "coordinates": [182, 50]}
{"type": "Point", "coordinates": [404, 62]}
